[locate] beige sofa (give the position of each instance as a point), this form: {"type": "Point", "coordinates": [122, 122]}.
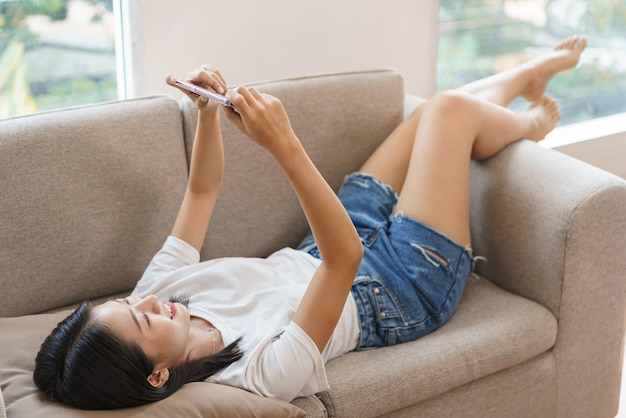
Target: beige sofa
{"type": "Point", "coordinates": [88, 195]}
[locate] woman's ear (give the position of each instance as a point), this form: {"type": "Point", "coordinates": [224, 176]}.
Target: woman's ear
{"type": "Point", "coordinates": [159, 377]}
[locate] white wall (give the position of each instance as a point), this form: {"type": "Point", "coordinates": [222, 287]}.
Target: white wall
{"type": "Point", "coordinates": [604, 152]}
{"type": "Point", "coordinates": [256, 40]}
{"type": "Point", "coordinates": [600, 142]}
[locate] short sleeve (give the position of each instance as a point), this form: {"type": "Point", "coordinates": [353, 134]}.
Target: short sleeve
{"type": "Point", "coordinates": [174, 254]}
{"type": "Point", "coordinates": [287, 367]}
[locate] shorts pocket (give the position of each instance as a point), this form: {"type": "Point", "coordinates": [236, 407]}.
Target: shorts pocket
{"type": "Point", "coordinates": [387, 307]}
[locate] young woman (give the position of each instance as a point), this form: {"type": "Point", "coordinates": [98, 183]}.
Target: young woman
{"type": "Point", "coordinates": [378, 268]}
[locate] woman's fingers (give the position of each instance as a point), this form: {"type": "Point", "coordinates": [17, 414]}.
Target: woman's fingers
{"type": "Point", "coordinates": [262, 117]}
{"type": "Point", "coordinates": [235, 118]}
{"type": "Point", "coordinates": [246, 98]}
{"type": "Point", "coordinates": [209, 76]}
{"type": "Point", "coordinates": [171, 80]}
{"type": "Point", "coordinates": [244, 92]}
{"type": "Point", "coordinates": [255, 93]}
{"type": "Point", "coordinates": [239, 97]}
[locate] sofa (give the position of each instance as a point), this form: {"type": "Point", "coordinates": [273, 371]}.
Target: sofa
{"type": "Point", "coordinates": [89, 194]}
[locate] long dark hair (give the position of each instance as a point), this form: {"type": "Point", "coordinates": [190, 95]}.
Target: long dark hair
{"type": "Point", "coordinates": [82, 363]}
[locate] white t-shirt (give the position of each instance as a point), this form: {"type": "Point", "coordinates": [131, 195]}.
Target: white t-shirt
{"type": "Point", "coordinates": [254, 298]}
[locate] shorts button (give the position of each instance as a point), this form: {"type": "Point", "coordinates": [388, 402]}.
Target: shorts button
{"type": "Point", "coordinates": [382, 315]}
{"type": "Point", "coordinates": [376, 291]}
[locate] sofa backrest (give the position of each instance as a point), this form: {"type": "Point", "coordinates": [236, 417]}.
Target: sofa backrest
{"type": "Point", "coordinates": [90, 194]}
{"type": "Point", "coordinates": [87, 196]}
{"type": "Point", "coordinates": [339, 118]}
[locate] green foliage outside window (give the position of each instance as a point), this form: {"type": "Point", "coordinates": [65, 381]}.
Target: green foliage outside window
{"type": "Point", "coordinates": [34, 73]}
{"type": "Point", "coordinates": [482, 37]}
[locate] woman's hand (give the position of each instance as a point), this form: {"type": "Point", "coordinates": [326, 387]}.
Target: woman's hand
{"type": "Point", "coordinates": [206, 168]}
{"type": "Point", "coordinates": [262, 117]}
{"type": "Point", "coordinates": [207, 77]}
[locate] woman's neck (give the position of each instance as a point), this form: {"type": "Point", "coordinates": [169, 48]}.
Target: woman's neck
{"type": "Point", "coordinates": [204, 338]}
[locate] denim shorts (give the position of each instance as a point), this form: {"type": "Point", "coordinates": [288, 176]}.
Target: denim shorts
{"type": "Point", "coordinates": [402, 291]}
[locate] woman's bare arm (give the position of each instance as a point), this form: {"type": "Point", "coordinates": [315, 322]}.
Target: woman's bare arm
{"type": "Point", "coordinates": [206, 169]}
{"type": "Point", "coordinates": [263, 118]}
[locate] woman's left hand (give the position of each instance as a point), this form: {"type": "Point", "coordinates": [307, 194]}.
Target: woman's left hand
{"type": "Point", "coordinates": [207, 77]}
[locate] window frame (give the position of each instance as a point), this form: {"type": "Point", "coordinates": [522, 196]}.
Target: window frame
{"type": "Point", "coordinates": [123, 49]}
{"type": "Point", "coordinates": [592, 129]}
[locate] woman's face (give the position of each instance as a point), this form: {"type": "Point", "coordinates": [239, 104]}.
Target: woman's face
{"type": "Point", "coordinates": [161, 329]}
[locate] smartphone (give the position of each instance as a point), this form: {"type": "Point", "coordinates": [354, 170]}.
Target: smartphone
{"type": "Point", "coordinates": [223, 100]}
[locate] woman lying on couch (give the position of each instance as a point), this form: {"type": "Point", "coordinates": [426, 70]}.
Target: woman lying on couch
{"type": "Point", "coordinates": [378, 268]}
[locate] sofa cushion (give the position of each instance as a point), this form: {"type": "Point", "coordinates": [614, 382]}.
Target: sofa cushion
{"type": "Point", "coordinates": [21, 338]}
{"type": "Point", "coordinates": [88, 196]}
{"type": "Point", "coordinates": [370, 104]}
{"type": "Point", "coordinates": [3, 412]}
{"type": "Point", "coordinates": [492, 330]}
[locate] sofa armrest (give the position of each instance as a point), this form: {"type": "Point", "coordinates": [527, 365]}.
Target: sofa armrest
{"type": "Point", "coordinates": [553, 229]}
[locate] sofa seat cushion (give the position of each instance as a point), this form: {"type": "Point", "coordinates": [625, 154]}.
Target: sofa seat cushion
{"type": "Point", "coordinates": [20, 340]}
{"type": "Point", "coordinates": [491, 331]}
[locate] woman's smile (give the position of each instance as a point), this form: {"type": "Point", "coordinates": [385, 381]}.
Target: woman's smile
{"type": "Point", "coordinates": [156, 326]}
{"type": "Point", "coordinates": [171, 307]}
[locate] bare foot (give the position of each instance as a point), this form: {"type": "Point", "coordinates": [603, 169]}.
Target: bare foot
{"type": "Point", "coordinates": [543, 116]}
{"type": "Point", "coordinates": [565, 56]}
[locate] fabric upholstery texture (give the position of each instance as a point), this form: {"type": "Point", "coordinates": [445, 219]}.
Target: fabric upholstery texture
{"type": "Point", "coordinates": [313, 406]}
{"type": "Point", "coordinates": [325, 116]}
{"type": "Point", "coordinates": [563, 259]}
{"type": "Point", "coordinates": [527, 390]}
{"type": "Point", "coordinates": [491, 331]}
{"type": "Point", "coordinates": [87, 196]}
{"type": "Point", "coordinates": [3, 412]}
{"type": "Point", "coordinates": [25, 334]}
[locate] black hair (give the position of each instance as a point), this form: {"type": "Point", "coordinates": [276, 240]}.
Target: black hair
{"type": "Point", "coordinates": [82, 363]}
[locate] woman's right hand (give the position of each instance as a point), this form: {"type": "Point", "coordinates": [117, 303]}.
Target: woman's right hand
{"type": "Point", "coordinates": [263, 118]}
{"type": "Point", "coordinates": [208, 77]}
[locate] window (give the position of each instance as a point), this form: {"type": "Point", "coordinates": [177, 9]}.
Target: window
{"type": "Point", "coordinates": [55, 54]}
{"type": "Point", "coordinates": [480, 37]}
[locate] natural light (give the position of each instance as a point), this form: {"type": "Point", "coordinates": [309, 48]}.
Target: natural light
{"type": "Point", "coordinates": [481, 37]}
{"type": "Point", "coordinates": [65, 53]}
{"type": "Point", "coordinates": [56, 54]}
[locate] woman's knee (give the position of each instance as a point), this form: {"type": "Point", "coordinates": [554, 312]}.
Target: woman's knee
{"type": "Point", "coordinates": [452, 102]}
{"type": "Point", "coordinates": [455, 109]}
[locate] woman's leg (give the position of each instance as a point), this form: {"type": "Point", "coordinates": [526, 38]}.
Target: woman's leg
{"type": "Point", "coordinates": [390, 161]}
{"type": "Point", "coordinates": [454, 127]}
{"type": "Point", "coordinates": [529, 80]}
